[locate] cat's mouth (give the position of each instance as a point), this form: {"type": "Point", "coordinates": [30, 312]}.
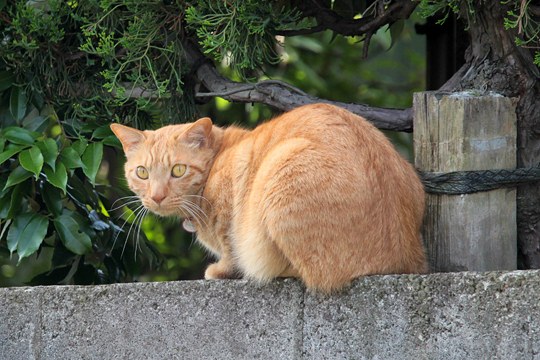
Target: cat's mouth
{"type": "Point", "coordinates": [164, 210]}
{"type": "Point", "coordinates": [189, 211]}
{"type": "Point", "coordinates": [161, 210]}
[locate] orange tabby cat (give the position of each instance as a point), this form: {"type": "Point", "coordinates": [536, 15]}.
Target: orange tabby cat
{"type": "Point", "coordinates": [317, 193]}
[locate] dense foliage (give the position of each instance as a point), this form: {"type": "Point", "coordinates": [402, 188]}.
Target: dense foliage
{"type": "Point", "coordinates": [70, 68]}
{"type": "Point", "coordinates": [62, 83]}
{"type": "Point", "coordinates": [522, 15]}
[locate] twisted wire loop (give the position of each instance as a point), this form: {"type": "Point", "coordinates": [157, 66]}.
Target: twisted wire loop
{"type": "Point", "coordinates": [468, 182]}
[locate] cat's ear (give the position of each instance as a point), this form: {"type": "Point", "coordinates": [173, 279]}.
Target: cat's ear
{"type": "Point", "coordinates": [129, 137]}
{"type": "Point", "coordinates": [199, 134]}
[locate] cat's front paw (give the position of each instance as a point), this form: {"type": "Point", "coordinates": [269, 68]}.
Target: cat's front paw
{"type": "Point", "coordinates": [218, 271]}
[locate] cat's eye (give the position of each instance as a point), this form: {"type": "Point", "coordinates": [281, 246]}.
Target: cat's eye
{"type": "Point", "coordinates": [142, 173]}
{"type": "Point", "coordinates": [178, 170]}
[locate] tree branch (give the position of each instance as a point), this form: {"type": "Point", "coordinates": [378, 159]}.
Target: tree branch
{"type": "Point", "coordinates": [284, 96]}
{"type": "Point", "coordinates": [534, 9]}
{"type": "Point", "coordinates": [312, 30]}
{"type": "Point", "coordinates": [330, 20]}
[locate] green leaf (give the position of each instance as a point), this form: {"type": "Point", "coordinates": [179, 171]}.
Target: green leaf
{"type": "Point", "coordinates": [91, 159]}
{"type": "Point", "coordinates": [395, 31]}
{"type": "Point", "coordinates": [34, 123]}
{"type": "Point", "coordinates": [17, 103]}
{"type": "Point", "coordinates": [32, 236]}
{"type": "Point", "coordinates": [102, 132]}
{"type": "Point", "coordinates": [71, 158]}
{"type": "Point", "coordinates": [79, 192]}
{"type": "Point", "coordinates": [49, 149]}
{"type": "Point", "coordinates": [58, 176]}
{"type": "Point", "coordinates": [6, 77]}
{"type": "Point", "coordinates": [10, 151]}
{"type": "Point", "coordinates": [52, 198]}
{"type": "Point", "coordinates": [17, 176]}
{"type": "Point", "coordinates": [112, 141]}
{"type": "Point", "coordinates": [4, 205]}
{"type": "Point", "coordinates": [26, 234]}
{"type": "Point", "coordinates": [19, 135]}
{"type": "Point", "coordinates": [18, 226]}
{"type": "Point", "coordinates": [80, 146]}
{"type": "Point", "coordinates": [73, 239]}
{"type": "Point", "coordinates": [10, 202]}
{"type": "Point", "coordinates": [15, 201]}
{"type": "Point", "coordinates": [32, 160]}
{"type": "Point", "coordinates": [62, 255]}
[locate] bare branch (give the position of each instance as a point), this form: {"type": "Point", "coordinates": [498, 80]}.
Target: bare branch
{"type": "Point", "coordinates": [284, 96]}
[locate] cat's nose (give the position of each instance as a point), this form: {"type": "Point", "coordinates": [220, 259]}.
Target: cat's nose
{"type": "Point", "coordinates": [158, 198]}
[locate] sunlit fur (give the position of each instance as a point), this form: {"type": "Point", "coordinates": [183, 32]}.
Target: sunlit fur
{"type": "Point", "coordinates": [317, 193]}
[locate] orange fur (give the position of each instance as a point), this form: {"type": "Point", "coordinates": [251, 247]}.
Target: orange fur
{"type": "Point", "coordinates": [317, 193]}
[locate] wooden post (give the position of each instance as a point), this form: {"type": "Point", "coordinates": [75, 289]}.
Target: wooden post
{"type": "Point", "coordinates": [464, 131]}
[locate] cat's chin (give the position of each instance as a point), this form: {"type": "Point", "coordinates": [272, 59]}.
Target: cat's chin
{"type": "Point", "coordinates": [164, 212]}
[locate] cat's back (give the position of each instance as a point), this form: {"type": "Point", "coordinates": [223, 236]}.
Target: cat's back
{"type": "Point", "coordinates": [338, 138]}
{"type": "Point", "coordinates": [326, 127]}
{"type": "Point", "coordinates": [327, 143]}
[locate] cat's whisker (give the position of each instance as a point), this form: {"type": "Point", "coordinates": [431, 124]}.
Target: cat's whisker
{"type": "Point", "coordinates": [139, 213]}
{"type": "Point", "coordinates": [197, 217]}
{"type": "Point", "coordinates": [196, 212]}
{"type": "Point", "coordinates": [193, 203]}
{"type": "Point", "coordinates": [188, 211]}
{"type": "Point", "coordinates": [195, 207]}
{"type": "Point", "coordinates": [129, 200]}
{"type": "Point", "coordinates": [124, 198]}
{"type": "Point", "coordinates": [134, 213]}
{"type": "Point", "coordinates": [121, 227]}
{"type": "Point", "coordinates": [201, 198]}
{"type": "Point", "coordinates": [126, 204]}
{"type": "Point", "coordinates": [200, 220]}
{"type": "Point", "coordinates": [137, 243]}
{"type": "Point", "coordinates": [127, 219]}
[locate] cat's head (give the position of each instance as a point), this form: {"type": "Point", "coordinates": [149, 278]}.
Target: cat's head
{"type": "Point", "coordinates": [168, 167]}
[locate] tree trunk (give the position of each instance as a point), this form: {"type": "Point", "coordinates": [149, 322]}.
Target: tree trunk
{"type": "Point", "coordinates": [495, 63]}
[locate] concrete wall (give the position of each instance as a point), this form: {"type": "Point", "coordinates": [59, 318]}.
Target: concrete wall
{"type": "Point", "coordinates": [439, 316]}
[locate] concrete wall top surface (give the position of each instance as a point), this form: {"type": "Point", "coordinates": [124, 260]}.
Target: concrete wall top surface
{"type": "Point", "coordinates": [493, 315]}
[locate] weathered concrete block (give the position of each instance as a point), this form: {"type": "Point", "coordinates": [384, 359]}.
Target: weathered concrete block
{"type": "Point", "coordinates": [20, 323]}
{"type": "Point", "coordinates": [440, 316]}
{"type": "Point", "coordinates": [174, 320]}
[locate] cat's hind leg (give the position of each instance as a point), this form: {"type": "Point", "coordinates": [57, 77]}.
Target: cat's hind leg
{"type": "Point", "coordinates": [258, 257]}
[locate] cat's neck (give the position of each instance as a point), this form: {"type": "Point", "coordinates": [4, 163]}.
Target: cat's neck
{"type": "Point", "coordinates": [224, 139]}
{"type": "Point", "coordinates": [227, 137]}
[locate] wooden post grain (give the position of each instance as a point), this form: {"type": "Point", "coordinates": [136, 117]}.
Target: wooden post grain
{"type": "Point", "coordinates": [464, 131]}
